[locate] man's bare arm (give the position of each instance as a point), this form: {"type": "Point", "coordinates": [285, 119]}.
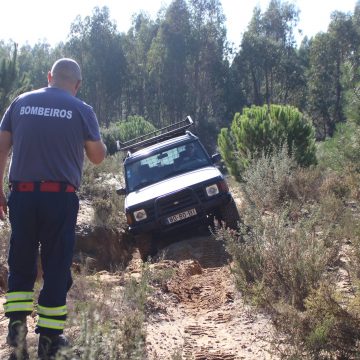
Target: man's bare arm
{"type": "Point", "coordinates": [95, 151]}
{"type": "Point", "coordinates": [5, 146]}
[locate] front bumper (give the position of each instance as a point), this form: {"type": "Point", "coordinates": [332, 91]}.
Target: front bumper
{"type": "Point", "coordinates": [159, 223]}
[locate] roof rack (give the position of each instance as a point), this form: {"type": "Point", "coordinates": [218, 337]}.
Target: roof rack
{"type": "Point", "coordinates": [156, 136]}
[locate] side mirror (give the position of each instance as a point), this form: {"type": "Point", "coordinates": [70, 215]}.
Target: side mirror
{"type": "Point", "coordinates": [216, 158]}
{"type": "Point", "coordinates": [121, 191]}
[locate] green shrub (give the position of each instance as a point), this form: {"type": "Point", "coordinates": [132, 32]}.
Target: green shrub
{"type": "Point", "coordinates": [267, 180]}
{"type": "Point", "coordinates": [331, 327]}
{"type": "Point", "coordinates": [352, 102]}
{"type": "Point", "coordinates": [287, 251]}
{"type": "Point", "coordinates": [274, 261]}
{"type": "Point", "coordinates": [132, 127]}
{"type": "Point", "coordinates": [270, 181]}
{"type": "Point", "coordinates": [342, 152]}
{"type": "Point", "coordinates": [226, 144]}
{"type": "Point", "coordinates": [324, 330]}
{"type": "Point", "coordinates": [261, 130]}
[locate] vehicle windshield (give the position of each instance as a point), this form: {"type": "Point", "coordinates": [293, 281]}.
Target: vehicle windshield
{"type": "Point", "coordinates": [165, 164]}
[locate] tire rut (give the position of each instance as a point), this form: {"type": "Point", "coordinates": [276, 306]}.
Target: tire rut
{"type": "Point", "coordinates": [205, 319]}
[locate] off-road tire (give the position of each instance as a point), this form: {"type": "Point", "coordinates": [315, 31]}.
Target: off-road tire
{"type": "Point", "coordinates": [144, 242]}
{"type": "Point", "coordinates": [229, 215]}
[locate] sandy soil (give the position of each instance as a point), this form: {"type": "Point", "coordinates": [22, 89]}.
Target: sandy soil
{"type": "Point", "coordinates": [201, 315]}
{"type": "Point", "coordinates": [204, 317]}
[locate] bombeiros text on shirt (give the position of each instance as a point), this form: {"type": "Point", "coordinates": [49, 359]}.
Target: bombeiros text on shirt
{"type": "Point", "coordinates": [41, 111]}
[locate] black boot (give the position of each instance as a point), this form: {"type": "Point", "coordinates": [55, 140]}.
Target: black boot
{"type": "Point", "coordinates": [49, 345]}
{"type": "Point", "coordinates": [17, 331]}
{"type": "Point", "coordinates": [19, 354]}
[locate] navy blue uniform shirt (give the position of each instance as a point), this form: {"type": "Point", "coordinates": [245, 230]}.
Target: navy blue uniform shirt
{"type": "Point", "coordinates": [49, 128]}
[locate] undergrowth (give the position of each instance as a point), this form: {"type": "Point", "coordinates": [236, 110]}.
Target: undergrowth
{"type": "Point", "coordinates": [297, 226]}
{"type": "Point", "coordinates": [99, 184]}
{"type": "Point", "coordinates": [108, 317]}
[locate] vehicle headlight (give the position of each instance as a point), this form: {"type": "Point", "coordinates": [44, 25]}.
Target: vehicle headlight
{"type": "Point", "coordinates": [212, 190]}
{"type": "Point", "coordinates": [140, 215]}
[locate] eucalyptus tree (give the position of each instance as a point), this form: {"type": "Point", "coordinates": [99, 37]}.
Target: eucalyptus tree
{"type": "Point", "coordinates": [352, 73]}
{"type": "Point", "coordinates": [322, 95]}
{"type": "Point", "coordinates": [167, 64]}
{"type": "Point", "coordinates": [346, 41]}
{"type": "Point", "coordinates": [137, 95]}
{"type": "Point", "coordinates": [207, 67]}
{"type": "Point", "coordinates": [268, 59]}
{"type": "Point", "coordinates": [8, 76]}
{"type": "Point", "coordinates": [249, 65]}
{"type": "Point", "coordinates": [35, 62]}
{"type": "Point", "coordinates": [11, 84]}
{"type": "Point", "coordinates": [6, 49]}
{"type": "Point", "coordinates": [332, 55]}
{"type": "Point", "coordinates": [97, 45]}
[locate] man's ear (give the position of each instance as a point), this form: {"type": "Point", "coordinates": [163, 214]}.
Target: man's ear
{"type": "Point", "coordinates": [77, 86]}
{"type": "Point", "coordinates": [49, 77]}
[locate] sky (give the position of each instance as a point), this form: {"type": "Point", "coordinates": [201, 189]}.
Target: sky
{"type": "Point", "coordinates": [37, 20]}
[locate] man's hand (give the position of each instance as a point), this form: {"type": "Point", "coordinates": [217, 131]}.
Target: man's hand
{"type": "Point", "coordinates": [3, 205]}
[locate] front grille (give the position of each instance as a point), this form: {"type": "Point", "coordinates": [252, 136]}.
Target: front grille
{"type": "Point", "coordinates": [150, 211]}
{"type": "Point", "coordinates": [176, 202]}
{"type": "Point", "coordinates": [200, 192]}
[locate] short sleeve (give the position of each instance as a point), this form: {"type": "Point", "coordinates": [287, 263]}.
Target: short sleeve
{"type": "Point", "coordinates": [91, 125]}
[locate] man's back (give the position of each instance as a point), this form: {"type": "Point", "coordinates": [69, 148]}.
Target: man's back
{"type": "Point", "coordinates": [49, 131]}
{"type": "Point", "coordinates": [49, 127]}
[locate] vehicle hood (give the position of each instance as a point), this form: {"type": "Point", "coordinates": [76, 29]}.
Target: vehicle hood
{"type": "Point", "coordinates": [172, 184]}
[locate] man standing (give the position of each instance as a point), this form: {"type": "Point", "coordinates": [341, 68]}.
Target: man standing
{"type": "Point", "coordinates": [48, 131]}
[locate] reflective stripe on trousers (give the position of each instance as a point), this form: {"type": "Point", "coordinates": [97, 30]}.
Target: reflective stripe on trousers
{"type": "Point", "coordinates": [51, 317]}
{"type": "Point", "coordinates": [51, 323]}
{"type": "Point", "coordinates": [19, 301]}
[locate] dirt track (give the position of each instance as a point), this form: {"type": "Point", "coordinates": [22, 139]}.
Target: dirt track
{"type": "Point", "coordinates": [204, 317]}
{"type": "Point", "coordinates": [201, 314]}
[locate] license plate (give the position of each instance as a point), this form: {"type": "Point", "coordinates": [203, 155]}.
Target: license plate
{"type": "Point", "coordinates": [181, 216]}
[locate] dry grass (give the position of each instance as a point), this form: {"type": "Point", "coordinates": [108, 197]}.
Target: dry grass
{"type": "Point", "coordinates": [99, 185]}
{"type": "Point", "coordinates": [285, 255]}
{"type": "Point", "coordinates": [107, 316]}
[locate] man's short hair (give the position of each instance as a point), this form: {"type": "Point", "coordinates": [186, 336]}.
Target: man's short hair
{"type": "Point", "coordinates": [66, 69]}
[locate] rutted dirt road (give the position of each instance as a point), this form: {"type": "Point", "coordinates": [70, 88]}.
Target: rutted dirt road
{"type": "Point", "coordinates": [203, 316]}
{"type": "Point", "coordinates": [200, 314]}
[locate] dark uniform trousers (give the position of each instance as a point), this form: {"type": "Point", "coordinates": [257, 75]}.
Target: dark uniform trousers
{"type": "Point", "coordinates": [45, 219]}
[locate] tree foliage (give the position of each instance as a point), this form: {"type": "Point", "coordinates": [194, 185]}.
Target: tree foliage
{"type": "Point", "coordinates": [329, 55]}
{"type": "Point", "coordinates": [180, 64]}
{"type": "Point", "coordinates": [122, 131]}
{"type": "Point", "coordinates": [271, 69]}
{"type": "Point", "coordinates": [11, 84]}
{"type": "Point", "coordinates": [97, 46]}
{"type": "Point", "coordinates": [261, 130]}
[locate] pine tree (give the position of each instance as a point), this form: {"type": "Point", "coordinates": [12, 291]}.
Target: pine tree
{"type": "Point", "coordinates": [262, 130]}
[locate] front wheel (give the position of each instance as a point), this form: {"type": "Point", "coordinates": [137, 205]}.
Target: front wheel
{"type": "Point", "coordinates": [145, 244]}
{"type": "Point", "coordinates": [229, 215]}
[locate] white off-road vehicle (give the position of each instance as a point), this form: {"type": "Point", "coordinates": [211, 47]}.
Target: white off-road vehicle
{"type": "Point", "coordinates": [172, 183]}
